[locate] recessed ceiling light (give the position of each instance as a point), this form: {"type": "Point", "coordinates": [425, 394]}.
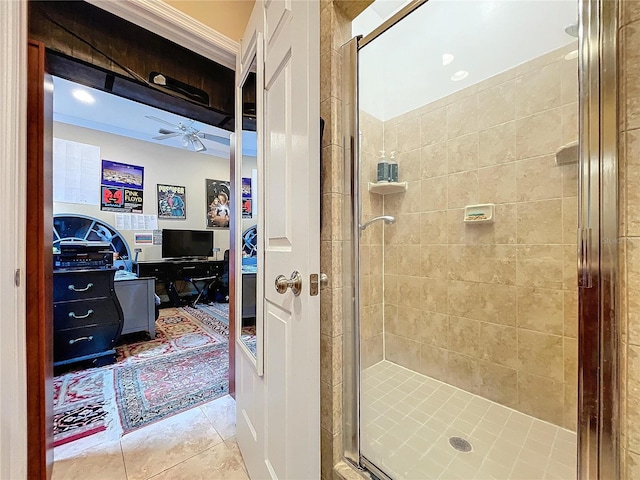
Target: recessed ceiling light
{"type": "Point", "coordinates": [447, 58]}
{"type": "Point", "coordinates": [571, 55]}
{"type": "Point", "coordinates": [460, 75]}
{"type": "Point", "coordinates": [83, 96]}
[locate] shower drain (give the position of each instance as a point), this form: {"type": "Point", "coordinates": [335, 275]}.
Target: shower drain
{"type": "Point", "coordinates": [460, 444]}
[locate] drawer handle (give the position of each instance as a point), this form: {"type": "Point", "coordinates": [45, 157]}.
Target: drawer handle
{"type": "Point", "coordinates": [73, 314]}
{"type": "Point", "coordinates": [89, 338]}
{"type": "Point", "coordinates": [74, 289]}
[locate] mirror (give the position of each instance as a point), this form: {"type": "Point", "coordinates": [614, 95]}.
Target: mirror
{"type": "Point", "coordinates": [248, 326]}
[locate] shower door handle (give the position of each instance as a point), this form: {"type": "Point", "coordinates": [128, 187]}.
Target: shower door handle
{"type": "Point", "coordinates": [585, 279]}
{"type": "Point", "coordinates": [294, 283]}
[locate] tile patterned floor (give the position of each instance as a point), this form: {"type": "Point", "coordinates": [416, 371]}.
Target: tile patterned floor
{"type": "Point", "coordinates": [196, 444]}
{"type": "Point", "coordinates": [408, 418]}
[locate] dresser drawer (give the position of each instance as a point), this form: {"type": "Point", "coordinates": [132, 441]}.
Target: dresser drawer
{"type": "Point", "coordinates": [82, 285]}
{"type": "Point", "coordinates": [84, 313]}
{"type": "Point", "coordinates": [77, 342]}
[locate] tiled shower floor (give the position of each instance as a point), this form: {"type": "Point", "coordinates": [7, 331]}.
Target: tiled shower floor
{"type": "Point", "coordinates": [408, 418]}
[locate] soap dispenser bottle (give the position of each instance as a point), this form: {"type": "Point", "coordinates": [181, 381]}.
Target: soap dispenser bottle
{"type": "Point", "coordinates": [383, 169]}
{"type": "Point", "coordinates": [393, 168]}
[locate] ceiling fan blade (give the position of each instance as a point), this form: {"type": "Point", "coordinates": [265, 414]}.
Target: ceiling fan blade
{"type": "Point", "coordinates": [161, 121]}
{"type": "Point", "coordinates": [215, 138]}
{"type": "Point", "coordinates": [164, 131]}
{"type": "Point", "coordinates": [166, 135]}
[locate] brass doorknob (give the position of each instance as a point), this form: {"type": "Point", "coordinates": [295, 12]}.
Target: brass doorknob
{"type": "Point", "coordinates": [294, 283]}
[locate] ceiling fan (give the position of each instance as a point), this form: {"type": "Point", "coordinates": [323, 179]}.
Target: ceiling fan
{"type": "Point", "coordinates": [190, 136]}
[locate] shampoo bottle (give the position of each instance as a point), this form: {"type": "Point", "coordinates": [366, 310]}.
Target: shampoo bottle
{"type": "Point", "coordinates": [393, 168]}
{"type": "Point", "coordinates": [383, 169]}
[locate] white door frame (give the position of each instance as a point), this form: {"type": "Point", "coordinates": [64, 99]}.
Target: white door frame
{"type": "Point", "coordinates": [13, 201]}
{"type": "Point", "coordinates": [161, 19]}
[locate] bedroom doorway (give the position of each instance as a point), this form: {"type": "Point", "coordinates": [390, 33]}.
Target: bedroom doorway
{"type": "Point", "coordinates": [187, 322]}
{"type": "Point", "coordinates": [162, 19]}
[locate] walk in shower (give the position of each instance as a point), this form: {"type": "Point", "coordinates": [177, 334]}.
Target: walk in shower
{"type": "Point", "coordinates": [466, 292]}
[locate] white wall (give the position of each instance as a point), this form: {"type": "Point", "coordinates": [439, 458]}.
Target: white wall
{"type": "Point", "coordinates": [162, 164]}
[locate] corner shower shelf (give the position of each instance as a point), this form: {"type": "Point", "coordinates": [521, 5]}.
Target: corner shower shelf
{"type": "Point", "coordinates": [384, 188]}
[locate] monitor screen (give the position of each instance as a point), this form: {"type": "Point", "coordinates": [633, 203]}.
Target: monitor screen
{"type": "Point", "coordinates": [186, 243]}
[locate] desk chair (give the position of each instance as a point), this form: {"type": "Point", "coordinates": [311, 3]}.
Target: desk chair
{"type": "Point", "coordinates": [206, 283]}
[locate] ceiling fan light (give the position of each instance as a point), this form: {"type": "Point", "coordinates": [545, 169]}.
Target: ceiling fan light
{"type": "Point", "coordinates": [198, 146]}
{"type": "Point", "coordinates": [189, 135]}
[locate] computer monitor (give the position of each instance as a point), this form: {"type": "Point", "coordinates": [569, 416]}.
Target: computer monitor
{"type": "Point", "coordinates": [186, 243]}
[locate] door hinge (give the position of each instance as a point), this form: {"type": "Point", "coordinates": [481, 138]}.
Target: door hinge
{"type": "Point", "coordinates": [16, 277]}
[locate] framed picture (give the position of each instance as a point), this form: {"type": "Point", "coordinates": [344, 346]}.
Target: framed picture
{"type": "Point", "coordinates": [121, 187]}
{"type": "Point", "coordinates": [121, 200]}
{"type": "Point", "coordinates": [172, 202]}
{"type": "Point", "coordinates": [123, 175]}
{"type": "Point", "coordinates": [246, 208]}
{"type": "Point", "coordinates": [218, 208]}
{"type": "Point", "coordinates": [246, 187]}
{"type": "Point", "coordinates": [246, 198]}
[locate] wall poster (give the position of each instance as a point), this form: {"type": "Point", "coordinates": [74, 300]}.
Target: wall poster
{"type": "Point", "coordinates": [247, 211]}
{"type": "Point", "coordinates": [218, 210]}
{"type": "Point", "coordinates": [121, 200]}
{"type": "Point", "coordinates": [121, 187]}
{"type": "Point", "coordinates": [172, 202]}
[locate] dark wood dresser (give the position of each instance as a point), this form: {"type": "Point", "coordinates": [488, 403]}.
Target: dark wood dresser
{"type": "Point", "coordinates": [87, 317]}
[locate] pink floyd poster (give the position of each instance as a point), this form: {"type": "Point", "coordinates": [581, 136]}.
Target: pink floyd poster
{"type": "Point", "coordinates": [121, 200]}
{"type": "Point", "coordinates": [121, 187]}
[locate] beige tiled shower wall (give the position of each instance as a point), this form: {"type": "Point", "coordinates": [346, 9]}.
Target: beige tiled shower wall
{"type": "Point", "coordinates": [335, 30]}
{"type": "Point", "coordinates": [490, 308]}
{"type": "Point", "coordinates": [371, 250]}
{"type": "Point", "coordinates": [629, 176]}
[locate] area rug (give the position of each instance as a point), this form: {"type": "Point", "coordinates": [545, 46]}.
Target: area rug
{"type": "Point", "coordinates": [219, 311]}
{"type": "Point", "coordinates": [151, 390]}
{"type": "Point", "coordinates": [83, 404]}
{"type": "Point", "coordinates": [185, 365]}
{"type": "Point", "coordinates": [250, 339]}
{"type": "Point", "coordinates": [177, 330]}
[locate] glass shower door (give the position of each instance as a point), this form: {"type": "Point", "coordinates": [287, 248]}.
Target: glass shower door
{"type": "Point", "coordinates": [467, 285]}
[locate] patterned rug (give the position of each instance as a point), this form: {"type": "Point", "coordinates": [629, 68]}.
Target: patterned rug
{"type": "Point", "coordinates": [177, 330]}
{"type": "Point", "coordinates": [185, 365]}
{"type": "Point", "coordinates": [250, 339]}
{"type": "Point", "coordinates": [153, 389]}
{"type": "Point", "coordinates": [82, 403]}
{"type": "Point", "coordinates": [216, 310]}
{"type": "Point", "coordinates": [220, 311]}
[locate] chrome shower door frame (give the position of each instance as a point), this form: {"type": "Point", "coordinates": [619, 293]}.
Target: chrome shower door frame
{"type": "Point", "coordinates": [351, 257]}
{"type": "Point", "coordinates": [598, 455]}
{"type": "Point", "coordinates": [598, 270]}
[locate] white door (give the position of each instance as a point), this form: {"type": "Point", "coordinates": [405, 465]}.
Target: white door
{"type": "Point", "coordinates": [278, 413]}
